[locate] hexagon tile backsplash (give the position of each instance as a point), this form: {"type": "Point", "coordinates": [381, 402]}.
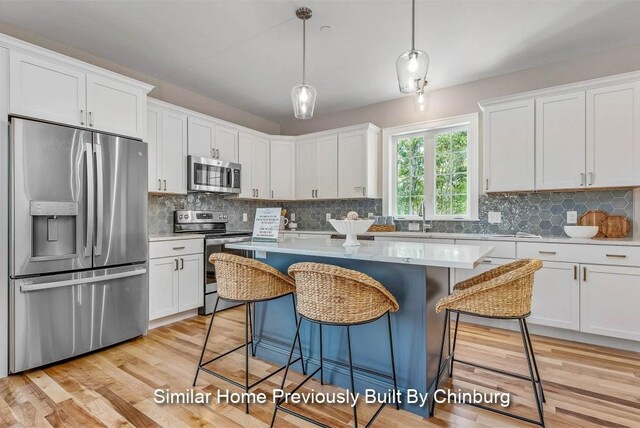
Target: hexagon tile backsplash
{"type": "Point", "coordinates": [540, 213]}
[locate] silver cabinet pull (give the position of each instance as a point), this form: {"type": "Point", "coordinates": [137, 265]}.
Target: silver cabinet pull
{"type": "Point", "coordinates": [486, 184]}
{"type": "Point", "coordinates": [159, 184]}
{"type": "Point", "coordinates": [90, 118]}
{"type": "Point", "coordinates": [312, 191]}
{"type": "Point", "coordinates": [272, 194]}
{"type": "Point", "coordinates": [179, 248]}
{"type": "Point", "coordinates": [218, 153]}
{"type": "Point", "coordinates": [553, 253]}
{"type": "Point", "coordinates": [364, 191]}
{"type": "Point", "coordinates": [582, 179]}
{"type": "Point", "coordinates": [165, 185]}
{"type": "Point", "coordinates": [575, 272]}
{"type": "Point", "coordinates": [488, 261]}
{"type": "Point", "coordinates": [316, 193]}
{"type": "Point", "coordinates": [584, 273]}
{"type": "Point", "coordinates": [617, 256]}
{"type": "Point", "coordinates": [213, 152]}
{"type": "Point", "coordinates": [257, 193]}
{"type": "Point", "coordinates": [181, 263]}
{"type": "Point", "coordinates": [81, 117]}
{"type": "Point", "coordinates": [590, 176]}
{"type": "Point", "coordinates": [176, 260]}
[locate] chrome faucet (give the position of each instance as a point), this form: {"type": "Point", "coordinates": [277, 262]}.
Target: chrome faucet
{"type": "Point", "coordinates": [423, 213]}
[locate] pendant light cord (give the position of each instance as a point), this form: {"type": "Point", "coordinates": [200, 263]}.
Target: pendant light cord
{"type": "Point", "coordinates": [413, 25]}
{"type": "Point", "coordinates": [304, 49]}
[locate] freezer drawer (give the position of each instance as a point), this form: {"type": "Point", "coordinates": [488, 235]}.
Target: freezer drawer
{"type": "Point", "coordinates": [60, 316]}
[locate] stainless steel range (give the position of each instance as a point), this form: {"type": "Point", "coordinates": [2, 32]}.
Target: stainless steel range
{"type": "Point", "coordinates": [212, 224]}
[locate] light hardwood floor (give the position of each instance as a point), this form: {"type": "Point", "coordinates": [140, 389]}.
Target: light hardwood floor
{"type": "Point", "coordinates": [585, 386]}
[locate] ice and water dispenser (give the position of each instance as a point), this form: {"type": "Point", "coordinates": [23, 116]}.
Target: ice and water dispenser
{"type": "Point", "coordinates": [54, 229]}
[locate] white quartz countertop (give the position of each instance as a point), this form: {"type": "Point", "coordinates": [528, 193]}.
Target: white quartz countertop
{"type": "Point", "coordinates": [485, 237]}
{"type": "Point", "coordinates": [415, 253]}
{"type": "Point", "coordinates": [174, 237]}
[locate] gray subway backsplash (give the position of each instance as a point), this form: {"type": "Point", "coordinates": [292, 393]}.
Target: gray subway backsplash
{"type": "Point", "coordinates": [540, 213]}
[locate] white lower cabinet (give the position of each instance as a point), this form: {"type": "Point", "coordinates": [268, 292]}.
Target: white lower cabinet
{"type": "Point", "coordinates": [609, 301]}
{"type": "Point", "coordinates": [486, 265]}
{"type": "Point", "coordinates": [556, 296]}
{"type": "Point", "coordinates": [176, 280]}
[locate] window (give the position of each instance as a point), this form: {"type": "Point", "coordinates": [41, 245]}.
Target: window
{"type": "Point", "coordinates": [432, 168]}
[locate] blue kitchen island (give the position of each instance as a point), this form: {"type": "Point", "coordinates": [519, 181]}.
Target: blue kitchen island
{"type": "Point", "coordinates": [417, 274]}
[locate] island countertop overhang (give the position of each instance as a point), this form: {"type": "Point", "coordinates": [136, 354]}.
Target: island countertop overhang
{"type": "Point", "coordinates": [415, 253]}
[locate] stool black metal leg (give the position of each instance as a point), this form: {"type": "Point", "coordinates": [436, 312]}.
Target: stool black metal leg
{"type": "Point", "coordinates": [393, 362]}
{"type": "Point", "coordinates": [533, 380]}
{"type": "Point", "coordinates": [286, 370]}
{"type": "Point", "coordinates": [321, 359]}
{"type": "Point", "coordinates": [533, 358]}
{"type": "Point", "coordinates": [252, 319]}
{"type": "Point", "coordinates": [453, 347]}
{"type": "Point", "coordinates": [295, 316]}
{"type": "Point", "coordinates": [435, 386]}
{"type": "Point", "coordinates": [204, 345]}
{"type": "Point", "coordinates": [247, 323]}
{"type": "Point", "coordinates": [353, 385]}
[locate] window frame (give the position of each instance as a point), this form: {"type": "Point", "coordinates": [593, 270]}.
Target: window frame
{"type": "Point", "coordinates": [429, 130]}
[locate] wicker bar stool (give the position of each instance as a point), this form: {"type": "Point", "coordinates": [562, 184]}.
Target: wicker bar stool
{"type": "Point", "coordinates": [247, 281]}
{"type": "Point", "coordinates": [331, 295]}
{"type": "Point", "coordinates": [501, 293]}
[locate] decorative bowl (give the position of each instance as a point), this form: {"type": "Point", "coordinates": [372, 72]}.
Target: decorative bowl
{"type": "Point", "coordinates": [351, 228]}
{"type": "Point", "coordinates": [584, 232]}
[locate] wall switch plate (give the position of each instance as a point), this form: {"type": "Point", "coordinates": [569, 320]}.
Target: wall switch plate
{"type": "Point", "coordinates": [260, 254]}
{"type": "Point", "coordinates": [414, 227]}
{"type": "Point", "coordinates": [327, 216]}
{"type": "Point", "coordinates": [293, 217]}
{"type": "Point", "coordinates": [244, 217]}
{"type": "Point", "coordinates": [572, 217]}
{"type": "Point", "coordinates": [495, 217]}
{"type": "Point", "coordinates": [370, 215]}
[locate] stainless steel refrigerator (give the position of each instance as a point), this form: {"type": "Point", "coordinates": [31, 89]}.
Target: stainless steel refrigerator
{"type": "Point", "coordinates": [78, 251]}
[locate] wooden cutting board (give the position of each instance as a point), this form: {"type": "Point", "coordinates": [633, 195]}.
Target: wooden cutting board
{"type": "Point", "coordinates": [615, 226]}
{"type": "Point", "coordinates": [594, 218]}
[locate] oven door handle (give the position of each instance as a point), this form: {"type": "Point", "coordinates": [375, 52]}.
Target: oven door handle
{"type": "Point", "coordinates": [222, 241]}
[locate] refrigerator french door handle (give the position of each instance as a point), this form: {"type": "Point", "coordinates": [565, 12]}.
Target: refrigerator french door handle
{"type": "Point", "coordinates": [57, 284]}
{"type": "Point", "coordinates": [88, 243]}
{"type": "Point", "coordinates": [99, 198]}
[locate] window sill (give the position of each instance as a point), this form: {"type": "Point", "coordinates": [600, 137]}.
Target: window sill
{"type": "Point", "coordinates": [430, 219]}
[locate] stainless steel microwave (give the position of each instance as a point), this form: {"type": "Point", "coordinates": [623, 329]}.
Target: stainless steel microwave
{"type": "Point", "coordinates": [212, 175]}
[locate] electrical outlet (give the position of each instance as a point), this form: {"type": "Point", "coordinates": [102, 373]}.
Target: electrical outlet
{"type": "Point", "coordinates": [260, 254]}
{"type": "Point", "coordinates": [327, 216]}
{"type": "Point", "coordinates": [495, 217]}
{"type": "Point", "coordinates": [244, 217]}
{"type": "Point", "coordinates": [293, 217]}
{"type": "Point", "coordinates": [572, 217]}
{"type": "Point", "coordinates": [370, 215]}
{"type": "Point", "coordinates": [414, 227]}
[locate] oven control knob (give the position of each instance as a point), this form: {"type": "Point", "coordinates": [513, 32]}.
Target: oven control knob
{"type": "Point", "coordinates": [180, 216]}
{"type": "Point", "coordinates": [221, 216]}
{"type": "Point", "coordinates": [224, 216]}
{"type": "Point", "coordinates": [186, 216]}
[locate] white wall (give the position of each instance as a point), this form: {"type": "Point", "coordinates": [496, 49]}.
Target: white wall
{"type": "Point", "coordinates": [463, 99]}
{"type": "Point", "coordinates": [4, 211]}
{"type": "Point", "coordinates": [164, 91]}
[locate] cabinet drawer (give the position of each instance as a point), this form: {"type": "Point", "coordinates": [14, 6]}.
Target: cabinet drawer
{"type": "Point", "coordinates": [175, 248]}
{"type": "Point", "coordinates": [502, 249]}
{"type": "Point", "coordinates": [596, 254]}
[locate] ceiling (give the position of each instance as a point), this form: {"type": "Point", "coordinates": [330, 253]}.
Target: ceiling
{"type": "Point", "coordinates": [248, 53]}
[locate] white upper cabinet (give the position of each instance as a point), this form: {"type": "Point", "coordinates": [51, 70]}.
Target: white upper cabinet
{"type": "Point", "coordinates": [254, 160]}
{"type": "Point", "coordinates": [115, 107]}
{"type": "Point", "coordinates": [46, 90]}
{"type": "Point", "coordinates": [358, 164]}
{"type": "Point", "coordinates": [317, 168]}
{"type": "Point", "coordinates": [63, 91]}
{"type": "Point", "coordinates": [613, 136]}
{"type": "Point", "coordinates": [509, 146]}
{"type": "Point", "coordinates": [282, 169]}
{"type": "Point", "coordinates": [560, 141]}
{"type": "Point", "coordinates": [208, 139]}
{"type": "Point", "coordinates": [167, 139]}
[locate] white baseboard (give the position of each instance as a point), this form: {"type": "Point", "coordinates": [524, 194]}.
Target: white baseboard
{"type": "Point", "coordinates": [558, 333]}
{"type": "Point", "coordinates": [172, 318]}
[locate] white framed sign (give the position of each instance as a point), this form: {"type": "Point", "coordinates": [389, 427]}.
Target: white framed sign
{"type": "Point", "coordinates": [266, 225]}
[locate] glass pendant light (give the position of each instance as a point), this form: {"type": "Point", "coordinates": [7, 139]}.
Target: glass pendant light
{"type": "Point", "coordinates": [412, 66]}
{"type": "Point", "coordinates": [420, 99]}
{"type": "Point", "coordinates": [303, 96]}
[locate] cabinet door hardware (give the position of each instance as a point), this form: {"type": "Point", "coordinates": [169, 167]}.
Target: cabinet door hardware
{"type": "Point", "coordinates": [272, 194]}
{"type": "Point", "coordinates": [159, 184]}
{"type": "Point", "coordinates": [617, 256]}
{"type": "Point", "coordinates": [179, 248]}
{"type": "Point", "coordinates": [364, 191]}
{"type": "Point", "coordinates": [553, 253]}
{"type": "Point", "coordinates": [181, 263]}
{"type": "Point", "coordinates": [582, 179]}
{"type": "Point", "coordinates": [486, 184]}
{"type": "Point", "coordinates": [176, 260]}
{"type": "Point", "coordinates": [257, 193]}
{"type": "Point", "coordinates": [90, 118]}
{"type": "Point", "coordinates": [575, 272]}
{"type": "Point", "coordinates": [590, 176]}
{"type": "Point", "coordinates": [213, 152]}
{"type": "Point", "coordinates": [165, 185]}
{"type": "Point", "coordinates": [584, 273]}
{"type": "Point", "coordinates": [488, 261]}
{"type": "Point", "coordinates": [81, 117]}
